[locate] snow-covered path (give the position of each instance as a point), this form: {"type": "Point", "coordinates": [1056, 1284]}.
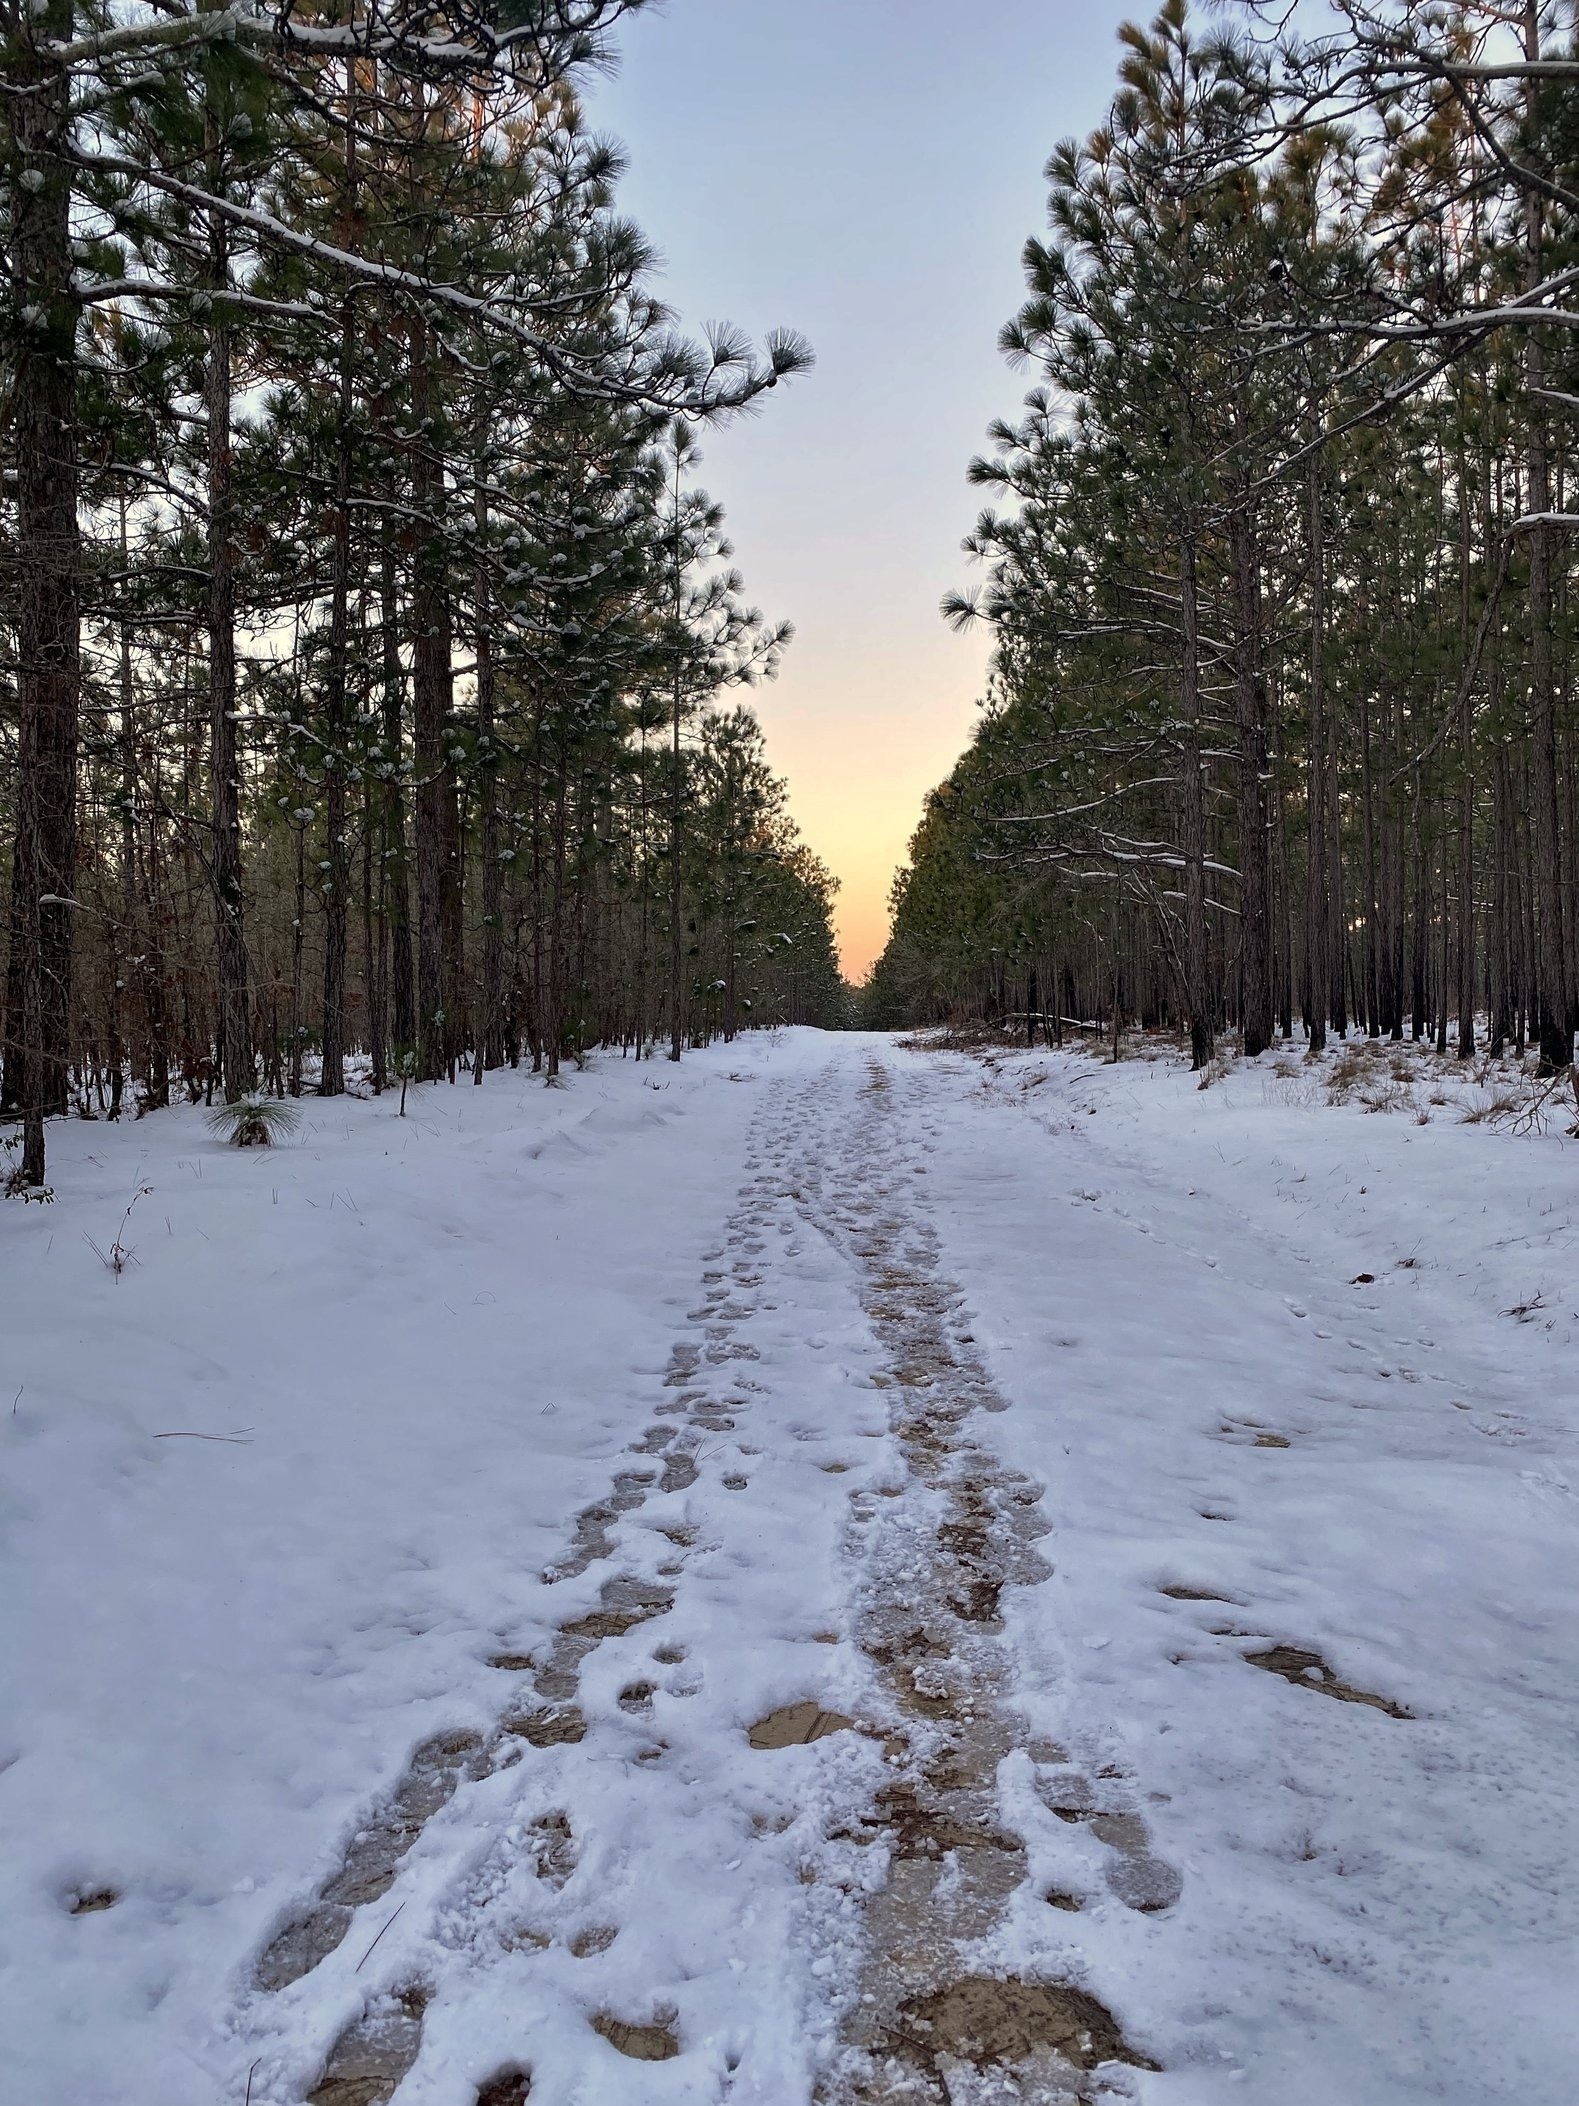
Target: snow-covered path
{"type": "Point", "coordinates": [758, 1585]}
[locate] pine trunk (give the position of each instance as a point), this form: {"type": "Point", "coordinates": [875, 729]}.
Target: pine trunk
{"type": "Point", "coordinates": [336, 761]}
{"type": "Point", "coordinates": [437, 820]}
{"type": "Point", "coordinates": [234, 1021]}
{"type": "Point", "coordinates": [1250, 702]}
{"type": "Point", "coordinates": [1197, 959]}
{"type": "Point", "coordinates": [1554, 1015]}
{"type": "Point", "coordinates": [47, 573]}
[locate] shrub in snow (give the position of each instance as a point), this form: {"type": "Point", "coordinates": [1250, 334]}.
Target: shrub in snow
{"type": "Point", "coordinates": [253, 1121]}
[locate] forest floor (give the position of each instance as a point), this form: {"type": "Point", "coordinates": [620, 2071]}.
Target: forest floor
{"type": "Point", "coordinates": [841, 1572]}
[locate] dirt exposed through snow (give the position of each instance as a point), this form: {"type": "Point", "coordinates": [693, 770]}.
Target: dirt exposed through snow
{"type": "Point", "coordinates": [511, 2087]}
{"type": "Point", "coordinates": [984, 2021]}
{"type": "Point", "coordinates": [1309, 1671]}
{"type": "Point", "coordinates": [652, 2043]}
{"type": "Point", "coordinates": [797, 1725]}
{"type": "Point", "coordinates": [926, 2025]}
{"type": "Point", "coordinates": [372, 2056]}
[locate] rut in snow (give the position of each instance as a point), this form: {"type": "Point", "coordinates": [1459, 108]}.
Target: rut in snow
{"type": "Point", "coordinates": [924, 2025]}
{"type": "Point", "coordinates": [372, 2055]}
{"type": "Point", "coordinates": [923, 2021]}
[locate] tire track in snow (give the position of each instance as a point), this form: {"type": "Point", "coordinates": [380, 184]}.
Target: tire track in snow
{"type": "Point", "coordinates": [933, 2018]}
{"type": "Point", "coordinates": [890, 1847]}
{"type": "Point", "coordinates": [495, 1902]}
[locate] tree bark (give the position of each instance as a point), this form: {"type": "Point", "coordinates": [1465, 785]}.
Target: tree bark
{"type": "Point", "coordinates": [234, 1020]}
{"type": "Point", "coordinates": [1250, 704]}
{"type": "Point", "coordinates": [1197, 962]}
{"type": "Point", "coordinates": [48, 585]}
{"type": "Point", "coordinates": [437, 821]}
{"type": "Point", "coordinates": [337, 880]}
{"type": "Point", "coordinates": [1318, 971]}
{"type": "Point", "coordinates": [1465, 873]}
{"type": "Point", "coordinates": [1554, 1018]}
{"type": "Point", "coordinates": [490, 1036]}
{"type": "Point", "coordinates": [396, 884]}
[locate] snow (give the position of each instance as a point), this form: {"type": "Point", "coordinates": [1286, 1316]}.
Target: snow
{"type": "Point", "coordinates": [423, 1347]}
{"type": "Point", "coordinates": [1372, 1909]}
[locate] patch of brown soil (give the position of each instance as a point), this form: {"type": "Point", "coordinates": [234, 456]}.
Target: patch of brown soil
{"type": "Point", "coordinates": [917, 1643]}
{"type": "Point", "coordinates": [351, 2091]}
{"type": "Point", "coordinates": [979, 1601]}
{"type": "Point", "coordinates": [615, 1618]}
{"type": "Point", "coordinates": [585, 1945]}
{"type": "Point", "coordinates": [512, 2087]}
{"type": "Point", "coordinates": [963, 1539]}
{"type": "Point", "coordinates": [554, 1849]}
{"type": "Point", "coordinates": [656, 2043]}
{"type": "Point", "coordinates": [1194, 1594]}
{"type": "Point", "coordinates": [920, 1828]}
{"type": "Point", "coordinates": [92, 1900]}
{"type": "Point", "coordinates": [630, 1490]}
{"type": "Point", "coordinates": [431, 1780]}
{"type": "Point", "coordinates": [560, 1726]}
{"type": "Point", "coordinates": [373, 2054]}
{"type": "Point", "coordinates": [797, 1725]}
{"type": "Point", "coordinates": [986, 2021]}
{"type": "Point", "coordinates": [1309, 1671]}
{"type": "Point", "coordinates": [373, 1859]}
{"type": "Point", "coordinates": [911, 1686]}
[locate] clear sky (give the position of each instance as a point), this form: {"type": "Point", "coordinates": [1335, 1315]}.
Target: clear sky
{"type": "Point", "coordinates": [865, 171]}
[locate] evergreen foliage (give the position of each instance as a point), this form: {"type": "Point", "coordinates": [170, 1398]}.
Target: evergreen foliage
{"type": "Point", "coordinates": [366, 640]}
{"type": "Point", "coordinates": [1280, 721]}
{"type": "Point", "coordinates": [253, 1120]}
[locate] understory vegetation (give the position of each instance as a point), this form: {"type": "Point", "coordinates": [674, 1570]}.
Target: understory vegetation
{"type": "Point", "coordinates": [369, 655]}
{"type": "Point", "coordinates": [1280, 733]}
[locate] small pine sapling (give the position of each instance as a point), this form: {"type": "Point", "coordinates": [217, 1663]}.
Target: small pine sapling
{"type": "Point", "coordinates": [253, 1121]}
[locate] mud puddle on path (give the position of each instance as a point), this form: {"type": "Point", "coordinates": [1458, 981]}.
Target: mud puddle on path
{"type": "Point", "coordinates": [930, 2022]}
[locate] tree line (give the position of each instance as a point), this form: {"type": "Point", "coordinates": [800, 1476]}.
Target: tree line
{"type": "Point", "coordinates": [370, 659]}
{"type": "Point", "coordinates": [1281, 731]}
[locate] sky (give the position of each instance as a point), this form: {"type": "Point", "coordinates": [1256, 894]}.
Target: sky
{"type": "Point", "coordinates": [866, 172]}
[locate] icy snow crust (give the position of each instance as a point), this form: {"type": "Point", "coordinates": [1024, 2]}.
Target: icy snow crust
{"type": "Point", "coordinates": [479, 1370]}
